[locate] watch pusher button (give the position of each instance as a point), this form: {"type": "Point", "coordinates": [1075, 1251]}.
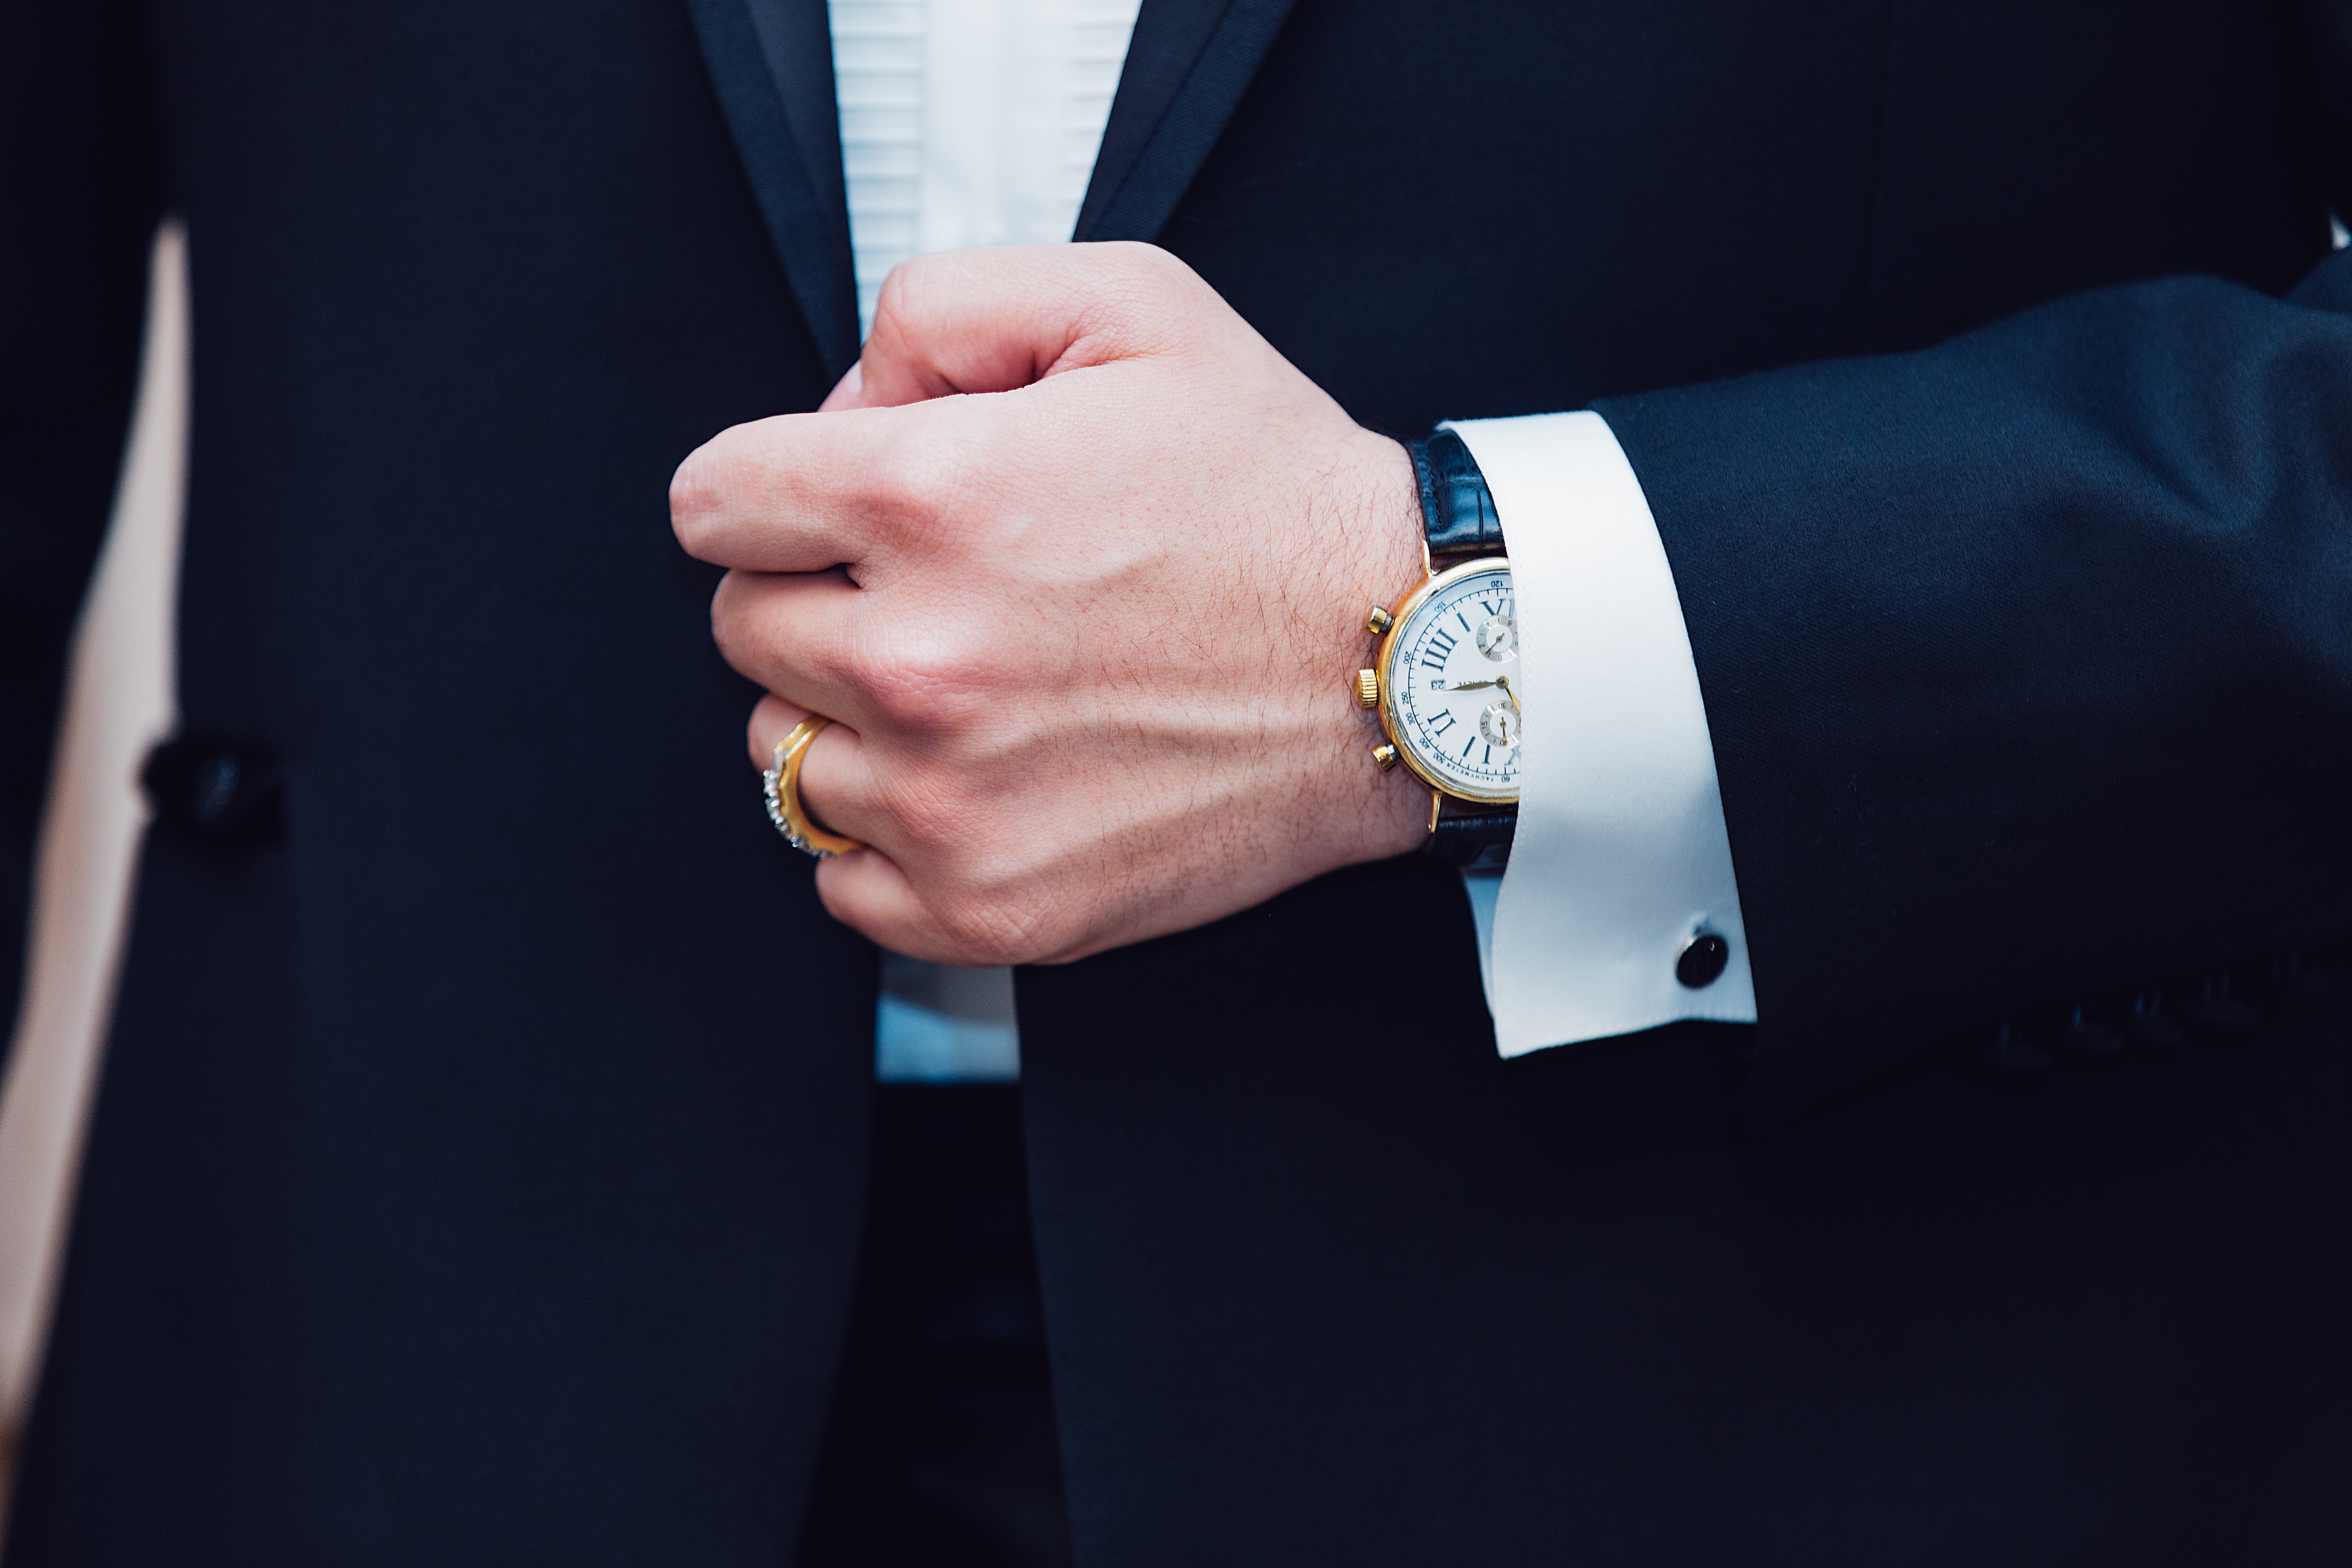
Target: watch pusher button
{"type": "Point", "coordinates": [1386, 756]}
{"type": "Point", "coordinates": [1367, 688]}
{"type": "Point", "coordinates": [1379, 622]}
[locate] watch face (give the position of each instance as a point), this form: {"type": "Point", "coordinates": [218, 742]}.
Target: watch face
{"type": "Point", "coordinates": [1450, 689]}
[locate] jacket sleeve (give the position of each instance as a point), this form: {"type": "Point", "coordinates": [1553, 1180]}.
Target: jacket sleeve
{"type": "Point", "coordinates": [81, 188]}
{"type": "Point", "coordinates": [2027, 658]}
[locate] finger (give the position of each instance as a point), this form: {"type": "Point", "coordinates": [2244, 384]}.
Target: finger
{"type": "Point", "coordinates": [796, 634]}
{"type": "Point", "coordinates": [1000, 317]}
{"type": "Point", "coordinates": [866, 888]}
{"type": "Point", "coordinates": [836, 782]}
{"type": "Point", "coordinates": [799, 492]}
{"type": "Point", "coordinates": [847, 392]}
{"type": "Point", "coordinates": [871, 894]}
{"type": "Point", "coordinates": [773, 717]}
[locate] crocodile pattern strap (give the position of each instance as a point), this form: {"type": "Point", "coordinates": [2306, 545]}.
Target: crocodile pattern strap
{"type": "Point", "coordinates": [1482, 838]}
{"type": "Point", "coordinates": [1459, 522]}
{"type": "Point", "coordinates": [1458, 513]}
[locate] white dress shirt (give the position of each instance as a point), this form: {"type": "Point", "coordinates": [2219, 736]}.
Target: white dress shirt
{"type": "Point", "coordinates": [977, 122]}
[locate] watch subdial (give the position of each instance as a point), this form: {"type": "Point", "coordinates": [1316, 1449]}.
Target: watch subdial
{"type": "Point", "coordinates": [1499, 725]}
{"type": "Point", "coordinates": [1498, 638]}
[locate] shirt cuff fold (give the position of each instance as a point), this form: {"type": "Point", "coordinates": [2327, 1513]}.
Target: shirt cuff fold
{"type": "Point", "coordinates": [1622, 855]}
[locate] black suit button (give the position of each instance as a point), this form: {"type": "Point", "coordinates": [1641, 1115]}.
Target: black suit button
{"type": "Point", "coordinates": [217, 788]}
{"type": "Point", "coordinates": [1703, 961]}
{"type": "Point", "coordinates": [215, 785]}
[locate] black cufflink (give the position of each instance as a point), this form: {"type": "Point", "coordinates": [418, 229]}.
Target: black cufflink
{"type": "Point", "coordinates": [1703, 961]}
{"type": "Point", "coordinates": [217, 789]}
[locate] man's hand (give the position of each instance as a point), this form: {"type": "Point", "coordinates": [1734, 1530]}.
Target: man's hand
{"type": "Point", "coordinates": [1077, 564]}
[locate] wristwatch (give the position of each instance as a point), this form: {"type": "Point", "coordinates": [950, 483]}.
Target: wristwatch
{"type": "Point", "coordinates": [1444, 678]}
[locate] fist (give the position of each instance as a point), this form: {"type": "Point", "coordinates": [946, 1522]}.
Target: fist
{"type": "Point", "coordinates": [1077, 564]}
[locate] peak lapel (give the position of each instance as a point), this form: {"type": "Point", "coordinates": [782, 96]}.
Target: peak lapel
{"type": "Point", "coordinates": [771, 61]}
{"type": "Point", "coordinates": [1189, 64]}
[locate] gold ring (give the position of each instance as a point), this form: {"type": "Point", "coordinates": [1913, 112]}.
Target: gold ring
{"type": "Point", "coordinates": [781, 785]}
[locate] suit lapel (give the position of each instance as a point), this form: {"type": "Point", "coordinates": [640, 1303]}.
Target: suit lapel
{"type": "Point", "coordinates": [1187, 67]}
{"type": "Point", "coordinates": [771, 61]}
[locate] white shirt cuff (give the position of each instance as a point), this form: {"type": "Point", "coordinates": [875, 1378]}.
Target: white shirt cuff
{"type": "Point", "coordinates": [1622, 854]}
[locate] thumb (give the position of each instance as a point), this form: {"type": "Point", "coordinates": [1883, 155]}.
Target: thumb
{"type": "Point", "coordinates": [849, 392]}
{"type": "Point", "coordinates": [1001, 317]}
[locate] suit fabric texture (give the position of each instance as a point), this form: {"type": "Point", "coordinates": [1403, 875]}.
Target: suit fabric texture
{"type": "Point", "coordinates": [476, 1170]}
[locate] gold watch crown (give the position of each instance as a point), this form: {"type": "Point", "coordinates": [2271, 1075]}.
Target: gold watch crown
{"type": "Point", "coordinates": [1367, 688]}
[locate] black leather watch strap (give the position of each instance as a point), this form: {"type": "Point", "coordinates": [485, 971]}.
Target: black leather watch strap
{"type": "Point", "coordinates": [1459, 522]}
{"type": "Point", "coordinates": [1457, 512]}
{"type": "Point", "coordinates": [1482, 839]}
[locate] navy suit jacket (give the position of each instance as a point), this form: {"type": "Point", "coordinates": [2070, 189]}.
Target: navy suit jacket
{"type": "Point", "coordinates": [476, 1170]}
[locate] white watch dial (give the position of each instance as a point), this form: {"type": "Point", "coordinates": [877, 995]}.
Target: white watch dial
{"type": "Point", "coordinates": [1451, 688]}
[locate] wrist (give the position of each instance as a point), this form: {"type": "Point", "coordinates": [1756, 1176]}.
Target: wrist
{"type": "Point", "coordinates": [1390, 813]}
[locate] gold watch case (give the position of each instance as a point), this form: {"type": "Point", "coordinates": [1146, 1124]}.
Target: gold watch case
{"type": "Point", "coordinates": [1383, 666]}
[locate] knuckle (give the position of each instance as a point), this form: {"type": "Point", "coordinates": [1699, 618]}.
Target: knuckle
{"type": "Point", "coordinates": [732, 624]}
{"type": "Point", "coordinates": [727, 629]}
{"type": "Point", "coordinates": [707, 484]}
{"type": "Point", "coordinates": [989, 931]}
{"type": "Point", "coordinates": [918, 289]}
{"type": "Point", "coordinates": [1142, 256]}
{"type": "Point", "coordinates": [692, 499]}
{"type": "Point", "coordinates": [922, 808]}
{"type": "Point", "coordinates": [932, 489]}
{"type": "Point", "coordinates": [931, 682]}
{"type": "Point", "coordinates": [902, 479]}
{"type": "Point", "coordinates": [1131, 294]}
{"type": "Point", "coordinates": [1149, 268]}
{"type": "Point", "coordinates": [996, 900]}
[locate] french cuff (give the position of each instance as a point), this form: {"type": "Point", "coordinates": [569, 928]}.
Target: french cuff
{"type": "Point", "coordinates": [1622, 861]}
